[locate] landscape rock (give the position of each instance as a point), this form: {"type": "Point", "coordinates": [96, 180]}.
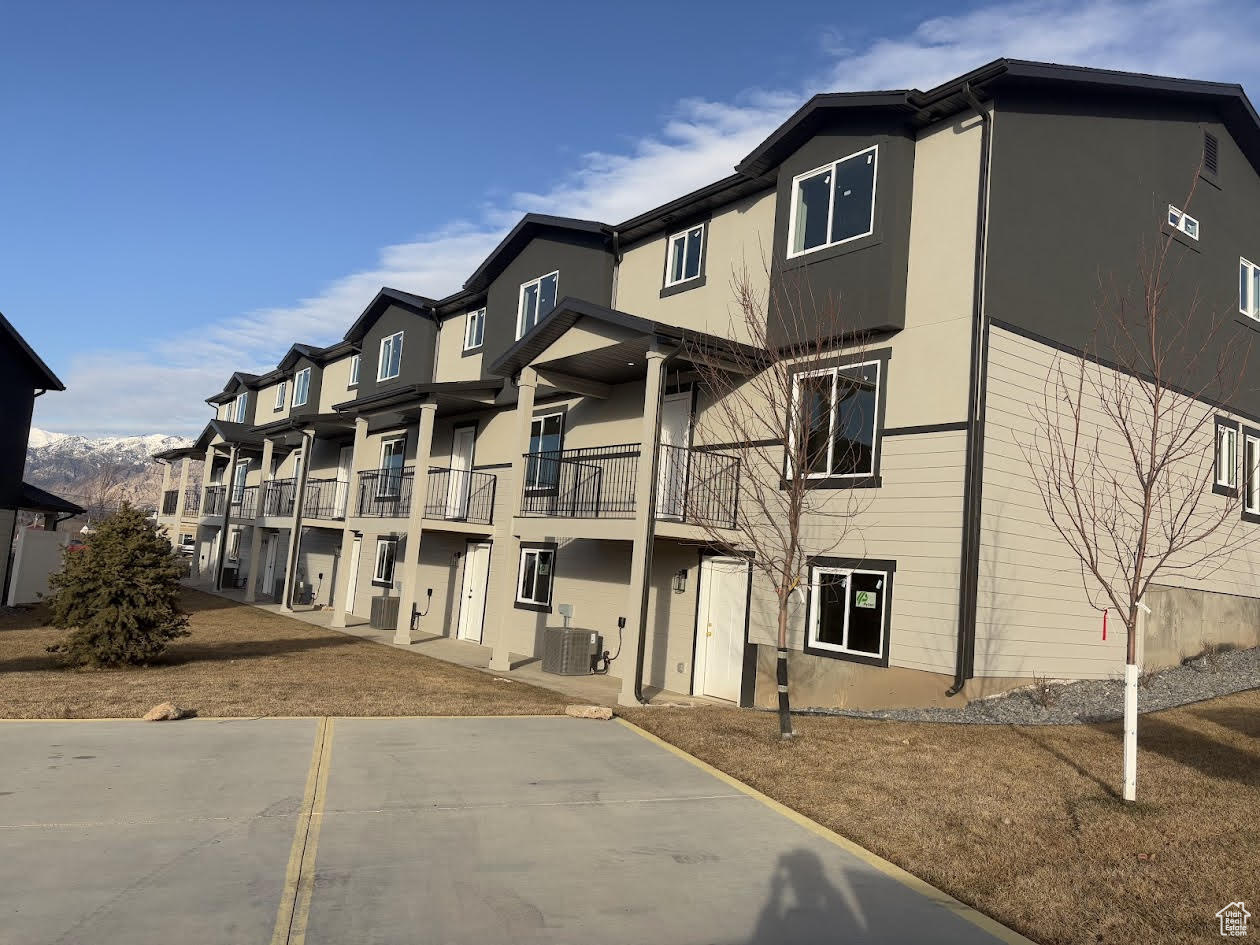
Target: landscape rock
{"type": "Point", "coordinates": [588, 711]}
{"type": "Point", "coordinates": [166, 712]}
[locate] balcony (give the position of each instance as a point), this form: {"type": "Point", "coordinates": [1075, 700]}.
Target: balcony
{"type": "Point", "coordinates": [278, 496]}
{"type": "Point", "coordinates": [460, 495]}
{"type": "Point", "coordinates": [325, 498]}
{"type": "Point", "coordinates": [693, 486]}
{"type": "Point", "coordinates": [384, 493]}
{"type": "Point", "coordinates": [192, 501]}
{"type": "Point", "coordinates": [170, 501]}
{"type": "Point", "coordinates": [244, 502]}
{"type": "Point", "coordinates": [215, 498]}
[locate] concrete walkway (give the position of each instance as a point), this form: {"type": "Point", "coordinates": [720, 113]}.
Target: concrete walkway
{"type": "Point", "coordinates": [598, 690]}
{"type": "Point", "coordinates": [477, 831]}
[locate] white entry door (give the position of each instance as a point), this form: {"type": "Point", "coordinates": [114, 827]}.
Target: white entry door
{"type": "Point", "coordinates": [720, 627]}
{"type": "Point", "coordinates": [671, 492]}
{"type": "Point", "coordinates": [269, 571]}
{"type": "Point", "coordinates": [472, 599]}
{"type": "Point", "coordinates": [461, 473]}
{"type": "Point", "coordinates": [352, 579]}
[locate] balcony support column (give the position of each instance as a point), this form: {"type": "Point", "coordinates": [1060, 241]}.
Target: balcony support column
{"type": "Point", "coordinates": [411, 596]}
{"type": "Point", "coordinates": [255, 537]}
{"type": "Point", "coordinates": [504, 588]}
{"type": "Point", "coordinates": [636, 611]}
{"type": "Point", "coordinates": [340, 605]}
{"type": "Point", "coordinates": [166, 486]}
{"type": "Point", "coordinates": [220, 561]}
{"type": "Point", "coordinates": [295, 524]}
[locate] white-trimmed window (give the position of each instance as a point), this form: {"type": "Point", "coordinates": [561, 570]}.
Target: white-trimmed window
{"type": "Point", "coordinates": [1226, 454]}
{"type": "Point", "coordinates": [546, 439]}
{"type": "Point", "coordinates": [1249, 288]}
{"type": "Point", "coordinates": [537, 571]}
{"type": "Point", "coordinates": [847, 612]}
{"type": "Point", "coordinates": [390, 475]}
{"type": "Point", "coordinates": [240, 407]}
{"type": "Point", "coordinates": [234, 545]}
{"type": "Point", "coordinates": [386, 552]}
{"type": "Point", "coordinates": [835, 431]}
{"type": "Point", "coordinates": [834, 203]}
{"type": "Point", "coordinates": [301, 387]}
{"type": "Point", "coordinates": [685, 252]}
{"type": "Point", "coordinates": [1179, 220]}
{"type": "Point", "coordinates": [281, 388]}
{"type": "Point", "coordinates": [474, 329]}
{"type": "Point", "coordinates": [538, 297]}
{"type": "Point", "coordinates": [354, 370]}
{"type": "Point", "coordinates": [390, 364]}
{"type": "Point", "coordinates": [239, 479]}
{"type": "Point", "coordinates": [1251, 473]}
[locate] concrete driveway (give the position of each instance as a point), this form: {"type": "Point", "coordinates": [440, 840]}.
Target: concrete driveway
{"type": "Point", "coordinates": [347, 831]}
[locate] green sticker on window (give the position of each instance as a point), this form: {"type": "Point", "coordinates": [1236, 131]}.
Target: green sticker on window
{"type": "Point", "coordinates": [864, 599]}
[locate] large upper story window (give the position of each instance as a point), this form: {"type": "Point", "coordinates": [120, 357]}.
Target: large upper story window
{"type": "Point", "coordinates": [836, 422]}
{"type": "Point", "coordinates": [685, 253]}
{"type": "Point", "coordinates": [474, 329]}
{"type": "Point", "coordinates": [280, 392]}
{"type": "Point", "coordinates": [1249, 289]}
{"type": "Point", "coordinates": [354, 371]}
{"type": "Point", "coordinates": [301, 387]}
{"type": "Point", "coordinates": [538, 297]}
{"type": "Point", "coordinates": [833, 204]}
{"type": "Point", "coordinates": [390, 364]}
{"type": "Point", "coordinates": [239, 408]}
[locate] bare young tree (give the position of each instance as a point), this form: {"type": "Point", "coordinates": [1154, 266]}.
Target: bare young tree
{"type": "Point", "coordinates": [105, 487]}
{"type": "Point", "coordinates": [1123, 452]}
{"type": "Point", "coordinates": [797, 417]}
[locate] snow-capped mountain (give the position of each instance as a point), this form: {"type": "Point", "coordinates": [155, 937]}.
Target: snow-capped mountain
{"type": "Point", "coordinates": [101, 471]}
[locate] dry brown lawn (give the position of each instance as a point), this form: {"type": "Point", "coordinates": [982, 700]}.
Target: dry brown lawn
{"type": "Point", "coordinates": [241, 661]}
{"type": "Point", "coordinates": [1023, 822]}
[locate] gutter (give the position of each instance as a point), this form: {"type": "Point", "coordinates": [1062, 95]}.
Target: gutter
{"type": "Point", "coordinates": [973, 481]}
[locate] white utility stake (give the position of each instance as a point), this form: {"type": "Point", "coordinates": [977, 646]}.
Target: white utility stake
{"type": "Point", "coordinates": [1131, 672]}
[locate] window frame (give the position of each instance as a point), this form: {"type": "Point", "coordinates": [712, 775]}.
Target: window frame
{"type": "Point", "coordinates": [879, 357]}
{"type": "Point", "coordinates": [1177, 220]}
{"type": "Point", "coordinates": [1250, 479]}
{"type": "Point", "coordinates": [240, 407]}
{"type": "Point", "coordinates": [521, 331]}
{"type": "Point", "coordinates": [282, 394]}
{"type": "Point", "coordinates": [356, 363]}
{"type": "Point", "coordinates": [545, 489]}
{"type": "Point", "coordinates": [382, 543]}
{"type": "Point", "coordinates": [685, 235]}
{"type": "Point", "coordinates": [381, 478]}
{"type": "Point", "coordinates": [474, 317]}
{"type": "Point", "coordinates": [536, 549]}
{"type": "Point", "coordinates": [831, 206]}
{"type": "Point", "coordinates": [1249, 306]}
{"type": "Point", "coordinates": [827, 565]}
{"type": "Point", "coordinates": [1225, 429]}
{"type": "Point", "coordinates": [380, 357]}
{"type": "Point", "coordinates": [234, 544]}
{"type": "Point", "coordinates": [297, 385]}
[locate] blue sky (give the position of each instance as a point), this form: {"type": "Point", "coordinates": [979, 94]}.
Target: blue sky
{"type": "Point", "coordinates": [186, 188]}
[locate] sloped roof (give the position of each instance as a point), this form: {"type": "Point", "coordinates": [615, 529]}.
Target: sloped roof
{"type": "Point", "coordinates": [530, 226]}
{"type": "Point", "coordinates": [35, 499]}
{"type": "Point", "coordinates": [49, 380]}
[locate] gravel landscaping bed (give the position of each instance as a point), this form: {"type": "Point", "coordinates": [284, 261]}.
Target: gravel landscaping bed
{"type": "Point", "coordinates": [1092, 700]}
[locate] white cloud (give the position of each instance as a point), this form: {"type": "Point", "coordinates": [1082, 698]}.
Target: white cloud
{"type": "Point", "coordinates": [114, 391]}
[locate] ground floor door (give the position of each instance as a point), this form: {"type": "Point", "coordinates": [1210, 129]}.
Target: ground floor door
{"type": "Point", "coordinates": [472, 599]}
{"type": "Point", "coordinates": [352, 577]}
{"type": "Point", "coordinates": [269, 568]}
{"type": "Point", "coordinates": [720, 624]}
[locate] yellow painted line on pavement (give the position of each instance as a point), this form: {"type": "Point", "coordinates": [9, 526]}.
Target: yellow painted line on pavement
{"type": "Point", "coordinates": [891, 870]}
{"type": "Point", "coordinates": [299, 876]}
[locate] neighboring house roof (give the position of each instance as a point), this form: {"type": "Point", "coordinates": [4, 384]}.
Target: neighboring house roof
{"type": "Point", "coordinates": [383, 300]}
{"type": "Point", "coordinates": [530, 226]}
{"type": "Point", "coordinates": [237, 380]}
{"type": "Point", "coordinates": [34, 499]}
{"type": "Point", "coordinates": [240, 434]}
{"type": "Point", "coordinates": [448, 392]}
{"type": "Point", "coordinates": [296, 352]}
{"type": "Point", "coordinates": [49, 380]}
{"type": "Point", "coordinates": [180, 452]}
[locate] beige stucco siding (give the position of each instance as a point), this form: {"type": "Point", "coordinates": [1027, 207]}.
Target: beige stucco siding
{"type": "Point", "coordinates": [452, 363]}
{"type": "Point", "coordinates": [335, 384]}
{"type": "Point", "coordinates": [738, 237]}
{"type": "Point", "coordinates": [265, 403]}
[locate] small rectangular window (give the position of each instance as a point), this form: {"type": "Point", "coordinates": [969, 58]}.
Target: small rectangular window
{"type": "Point", "coordinates": [1249, 288]}
{"type": "Point", "coordinates": [354, 371]}
{"type": "Point", "coordinates": [847, 611]}
{"type": "Point", "coordinates": [833, 204]}
{"type": "Point", "coordinates": [474, 329]}
{"type": "Point", "coordinates": [835, 429]}
{"type": "Point", "coordinates": [535, 577]}
{"type": "Point", "coordinates": [1179, 220]}
{"type": "Point", "coordinates": [390, 364]}
{"type": "Point", "coordinates": [234, 545]}
{"type": "Point", "coordinates": [386, 551]}
{"type": "Point", "coordinates": [685, 251]}
{"type": "Point", "coordinates": [1226, 455]}
{"type": "Point", "coordinates": [280, 391]}
{"type": "Point", "coordinates": [301, 387]}
{"type": "Point", "coordinates": [1251, 473]}
{"type": "Point", "coordinates": [538, 298]}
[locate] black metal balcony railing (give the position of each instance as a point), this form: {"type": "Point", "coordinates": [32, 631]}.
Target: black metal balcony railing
{"type": "Point", "coordinates": [384, 493]}
{"type": "Point", "coordinates": [192, 500]}
{"type": "Point", "coordinates": [278, 495]}
{"type": "Point", "coordinates": [170, 501]}
{"type": "Point", "coordinates": [697, 486]}
{"type": "Point", "coordinates": [593, 482]}
{"type": "Point", "coordinates": [244, 501]}
{"type": "Point", "coordinates": [325, 498]}
{"type": "Point", "coordinates": [460, 495]}
{"type": "Point", "coordinates": [215, 497]}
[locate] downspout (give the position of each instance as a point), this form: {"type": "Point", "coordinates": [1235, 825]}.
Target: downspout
{"type": "Point", "coordinates": [973, 481]}
{"type": "Point", "coordinates": [651, 542]}
{"type": "Point", "coordinates": [616, 273]}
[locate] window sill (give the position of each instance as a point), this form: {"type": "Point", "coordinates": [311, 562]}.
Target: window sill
{"type": "Point", "coordinates": [1179, 237]}
{"type": "Point", "coordinates": [679, 287]}
{"type": "Point", "coordinates": [537, 608]}
{"type": "Point", "coordinates": [376, 583]}
{"type": "Point", "coordinates": [468, 352]}
{"type": "Point", "coordinates": [1230, 492]}
{"type": "Point", "coordinates": [837, 482]}
{"type": "Point", "coordinates": [881, 661]}
{"type": "Point", "coordinates": [1251, 517]}
{"type": "Point", "coordinates": [855, 245]}
{"type": "Point", "coordinates": [1247, 321]}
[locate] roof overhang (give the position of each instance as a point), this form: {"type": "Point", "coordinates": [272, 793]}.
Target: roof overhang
{"type": "Point", "coordinates": [35, 499]}
{"type": "Point", "coordinates": [321, 424]}
{"type": "Point", "coordinates": [232, 388]}
{"type": "Point", "coordinates": [180, 452]}
{"type": "Point", "coordinates": [532, 225]}
{"type": "Point", "coordinates": [417, 304]}
{"type": "Point", "coordinates": [45, 378]}
{"type": "Point", "coordinates": [450, 397]}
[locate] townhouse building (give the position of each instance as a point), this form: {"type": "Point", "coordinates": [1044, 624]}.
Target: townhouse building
{"type": "Point", "coordinates": [531, 450]}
